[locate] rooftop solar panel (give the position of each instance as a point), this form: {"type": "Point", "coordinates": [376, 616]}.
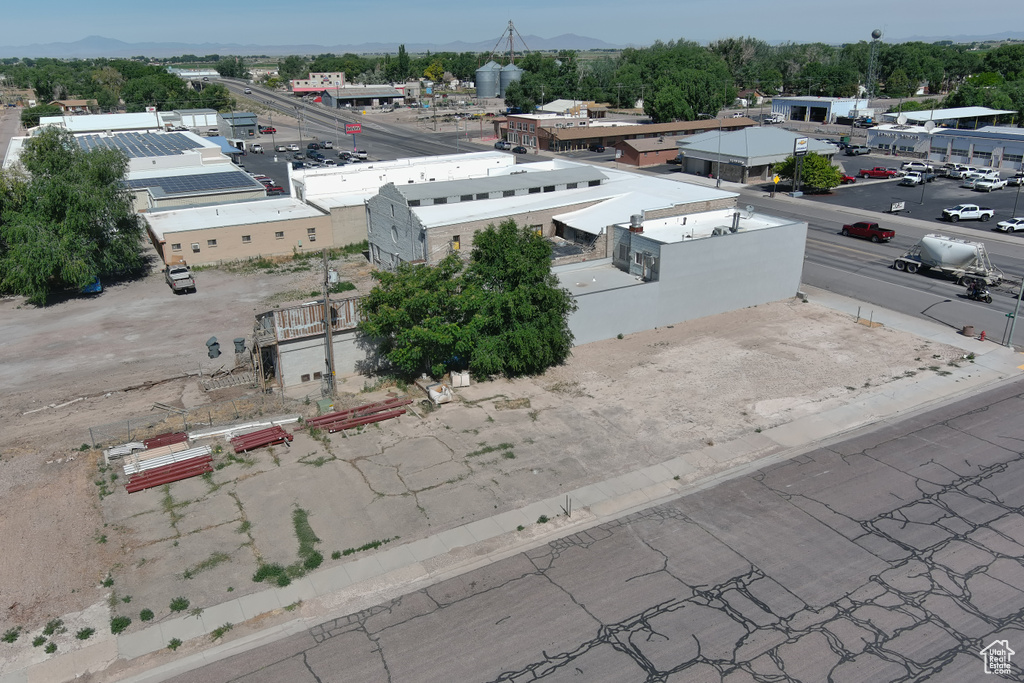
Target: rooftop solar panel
{"type": "Point", "coordinates": [192, 184]}
{"type": "Point", "coordinates": [136, 145]}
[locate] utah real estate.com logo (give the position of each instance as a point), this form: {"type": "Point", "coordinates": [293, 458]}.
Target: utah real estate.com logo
{"type": "Point", "coordinates": [996, 657]}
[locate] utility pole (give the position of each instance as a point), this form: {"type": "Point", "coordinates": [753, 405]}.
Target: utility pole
{"type": "Point", "coordinates": [328, 331]}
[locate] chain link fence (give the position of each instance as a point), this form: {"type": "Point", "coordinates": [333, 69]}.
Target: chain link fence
{"type": "Point", "coordinates": [166, 419]}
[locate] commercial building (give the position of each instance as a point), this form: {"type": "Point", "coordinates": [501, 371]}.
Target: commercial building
{"type": "Point", "coordinates": [957, 117]}
{"type": "Point", "coordinates": [238, 230]}
{"type": "Point", "coordinates": [238, 124]}
{"type": "Point", "coordinates": [1000, 147]}
{"type": "Point", "coordinates": [557, 133]}
{"type": "Point", "coordinates": [569, 202]}
{"type": "Point", "coordinates": [744, 156]}
{"type": "Point", "coordinates": [342, 191]}
{"type": "Point", "coordinates": [358, 96]}
{"type": "Point", "coordinates": [663, 271]}
{"type": "Point", "coordinates": [647, 151]}
{"type": "Point", "coordinates": [819, 109]}
{"type": "Point", "coordinates": [318, 82]}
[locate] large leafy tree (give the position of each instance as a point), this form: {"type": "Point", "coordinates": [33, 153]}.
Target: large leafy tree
{"type": "Point", "coordinates": [503, 313]}
{"type": "Point", "coordinates": [519, 322]}
{"type": "Point", "coordinates": [66, 219]}
{"type": "Point", "coordinates": [816, 172]}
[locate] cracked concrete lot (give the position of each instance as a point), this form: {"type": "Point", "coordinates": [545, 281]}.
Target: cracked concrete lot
{"type": "Point", "coordinates": [504, 444]}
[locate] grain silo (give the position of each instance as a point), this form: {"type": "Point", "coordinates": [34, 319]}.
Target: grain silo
{"type": "Point", "coordinates": [508, 74]}
{"type": "Point", "coordinates": [487, 79]}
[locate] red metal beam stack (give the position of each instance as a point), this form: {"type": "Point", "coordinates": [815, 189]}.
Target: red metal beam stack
{"type": "Point", "coordinates": [177, 471]}
{"type": "Point", "coordinates": [362, 415]}
{"type": "Point", "coordinates": [165, 439]}
{"type": "Point", "coordinates": [263, 437]}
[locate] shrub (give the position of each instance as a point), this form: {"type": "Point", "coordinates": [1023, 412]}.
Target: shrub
{"type": "Point", "coordinates": [51, 648]}
{"type": "Point", "coordinates": [266, 571]}
{"type": "Point", "coordinates": [146, 615]}
{"type": "Point", "coordinates": [85, 633]}
{"type": "Point", "coordinates": [174, 644]}
{"type": "Point", "coordinates": [312, 561]}
{"type": "Point", "coordinates": [179, 604]}
{"type": "Point", "coordinates": [119, 624]}
{"type": "Point", "coordinates": [38, 640]}
{"type": "Point", "coordinates": [11, 635]}
{"type": "Point", "coordinates": [53, 626]}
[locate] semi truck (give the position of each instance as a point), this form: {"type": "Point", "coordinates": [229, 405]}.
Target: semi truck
{"type": "Point", "coordinates": [957, 259]}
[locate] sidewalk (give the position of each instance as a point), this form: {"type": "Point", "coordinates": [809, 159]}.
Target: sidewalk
{"type": "Point", "coordinates": [362, 583]}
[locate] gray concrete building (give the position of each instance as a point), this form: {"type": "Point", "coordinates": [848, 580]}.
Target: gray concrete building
{"type": "Point", "coordinates": [743, 156]}
{"type": "Point", "coordinates": [668, 270]}
{"type": "Point", "coordinates": [818, 109]}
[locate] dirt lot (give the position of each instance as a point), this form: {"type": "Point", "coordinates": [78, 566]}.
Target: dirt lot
{"type": "Point", "coordinates": [615, 406]}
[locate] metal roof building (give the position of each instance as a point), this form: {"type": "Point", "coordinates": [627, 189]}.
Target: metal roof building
{"type": "Point", "coordinates": [562, 200]}
{"type": "Point", "coordinates": [745, 155]}
{"type": "Point", "coordinates": [818, 109]}
{"type": "Point", "coordinates": [957, 117]}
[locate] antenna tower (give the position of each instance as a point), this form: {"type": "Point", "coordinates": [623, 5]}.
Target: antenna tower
{"type": "Point", "coordinates": [873, 65]}
{"type": "Point", "coordinates": [509, 35]}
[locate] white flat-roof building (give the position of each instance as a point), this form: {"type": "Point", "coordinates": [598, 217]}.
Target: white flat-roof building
{"type": "Point", "coordinates": [818, 109]}
{"type": "Point", "coordinates": [342, 191]}
{"type": "Point", "coordinates": [1000, 147]}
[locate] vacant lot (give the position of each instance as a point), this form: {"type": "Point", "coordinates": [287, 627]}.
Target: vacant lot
{"type": "Point", "coordinates": [616, 406]}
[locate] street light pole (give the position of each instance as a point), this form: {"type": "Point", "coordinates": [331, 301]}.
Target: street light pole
{"type": "Point", "coordinates": [718, 180]}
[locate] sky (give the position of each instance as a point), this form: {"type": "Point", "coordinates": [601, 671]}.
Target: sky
{"type": "Point", "coordinates": [345, 22]}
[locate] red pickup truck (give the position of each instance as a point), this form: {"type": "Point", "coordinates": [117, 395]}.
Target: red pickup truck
{"type": "Point", "coordinates": [877, 172]}
{"type": "Point", "coordinates": [869, 231]}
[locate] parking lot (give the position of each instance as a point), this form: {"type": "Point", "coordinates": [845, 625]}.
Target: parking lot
{"type": "Point", "coordinates": [925, 203]}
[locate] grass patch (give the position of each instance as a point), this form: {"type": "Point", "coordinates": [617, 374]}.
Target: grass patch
{"type": "Point", "coordinates": [372, 545]}
{"type": "Point", "coordinates": [221, 630]}
{"type": "Point", "coordinates": [209, 563]}
{"type": "Point", "coordinates": [512, 404]}
{"type": "Point", "coordinates": [54, 626]}
{"type": "Point", "coordinates": [343, 286]}
{"type": "Point", "coordinates": [119, 624]}
{"type": "Point", "coordinates": [244, 527]}
{"type": "Point", "coordinates": [85, 633]}
{"type": "Point", "coordinates": [292, 607]}
{"type": "Point", "coordinates": [318, 461]}
{"type": "Point", "coordinates": [485, 449]}
{"type": "Point", "coordinates": [179, 604]}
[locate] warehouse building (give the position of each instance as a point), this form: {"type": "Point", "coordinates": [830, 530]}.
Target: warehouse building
{"type": "Point", "coordinates": [563, 201]}
{"type": "Point", "coordinates": [819, 109]}
{"type": "Point", "coordinates": [240, 230]}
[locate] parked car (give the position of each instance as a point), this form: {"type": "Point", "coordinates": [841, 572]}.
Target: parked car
{"type": "Point", "coordinates": [864, 123]}
{"type": "Point", "coordinates": [857, 150]}
{"type": "Point", "coordinates": [210, 132]}
{"type": "Point", "coordinates": [280, 148]}
{"type": "Point", "coordinates": [1010, 225]}
{"type": "Point", "coordinates": [967, 212]}
{"type": "Point", "coordinates": [330, 162]}
{"type": "Point", "coordinates": [847, 180]}
{"type": "Point", "coordinates": [298, 156]}
{"type": "Point", "coordinates": [595, 147]}
{"type": "Point", "coordinates": [359, 153]}
{"type": "Point", "coordinates": [519, 150]}
{"type": "Point", "coordinates": [502, 144]}
{"type": "Point", "coordinates": [958, 170]}
{"type": "Point", "coordinates": [180, 279]}
{"type": "Point", "coordinates": [274, 189]}
{"type": "Point", "coordinates": [256, 148]}
{"type": "Point", "coordinates": [877, 172]}
{"type": "Point", "coordinates": [326, 144]}
{"type": "Point", "coordinates": [248, 91]}
{"type": "Point", "coordinates": [293, 147]}
{"type": "Point", "coordinates": [312, 145]}
{"type": "Point", "coordinates": [917, 178]}
{"type": "Point", "coordinates": [1016, 180]}
{"type": "Point", "coordinates": [267, 130]}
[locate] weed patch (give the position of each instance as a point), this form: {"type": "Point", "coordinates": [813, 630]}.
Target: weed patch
{"type": "Point", "coordinates": [85, 633]}
{"type": "Point", "coordinates": [50, 648]}
{"type": "Point", "coordinates": [485, 449]}
{"type": "Point", "coordinates": [38, 640]}
{"type": "Point", "coordinates": [54, 626]}
{"type": "Point", "coordinates": [119, 624]}
{"type": "Point", "coordinates": [372, 545]}
{"type": "Point", "coordinates": [174, 644]}
{"type": "Point", "coordinates": [221, 630]}
{"type": "Point", "coordinates": [11, 634]}
{"type": "Point", "coordinates": [146, 615]}
{"type": "Point", "coordinates": [209, 563]}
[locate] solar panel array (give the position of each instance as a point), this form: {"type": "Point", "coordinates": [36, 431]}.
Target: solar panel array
{"type": "Point", "coordinates": [136, 145]}
{"type": "Point", "coordinates": [192, 184]}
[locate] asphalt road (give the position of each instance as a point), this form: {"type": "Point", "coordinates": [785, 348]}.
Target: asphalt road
{"type": "Point", "coordinates": [894, 555]}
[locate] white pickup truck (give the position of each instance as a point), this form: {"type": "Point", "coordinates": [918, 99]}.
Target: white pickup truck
{"type": "Point", "coordinates": [967, 212]}
{"type": "Point", "coordinates": [989, 184]}
{"type": "Point", "coordinates": [180, 279]}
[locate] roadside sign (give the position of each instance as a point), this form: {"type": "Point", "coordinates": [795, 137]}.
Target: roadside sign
{"type": "Point", "coordinates": [897, 206]}
{"type": "Point", "coordinates": [775, 179]}
{"type": "Point", "coordinates": [800, 147]}
{"type": "Point", "coordinates": [353, 128]}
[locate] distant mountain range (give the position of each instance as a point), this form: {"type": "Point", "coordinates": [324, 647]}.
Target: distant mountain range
{"type": "Point", "coordinates": [98, 46]}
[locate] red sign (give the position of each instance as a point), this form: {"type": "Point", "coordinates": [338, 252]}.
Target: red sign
{"type": "Point", "coordinates": [353, 128]}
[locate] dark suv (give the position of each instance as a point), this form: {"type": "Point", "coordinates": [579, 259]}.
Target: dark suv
{"type": "Point", "coordinates": [312, 145]}
{"type": "Point", "coordinates": [596, 147]}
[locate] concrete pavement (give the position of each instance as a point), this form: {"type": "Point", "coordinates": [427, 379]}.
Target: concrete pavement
{"type": "Point", "coordinates": [396, 570]}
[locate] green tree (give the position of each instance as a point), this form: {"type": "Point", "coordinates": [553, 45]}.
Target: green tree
{"type": "Point", "coordinates": [518, 313]}
{"type": "Point", "coordinates": [434, 71]}
{"type": "Point", "coordinates": [232, 67]}
{"type": "Point", "coordinates": [30, 115]}
{"type": "Point", "coordinates": [817, 173]}
{"type": "Point", "coordinates": [292, 67]}
{"type": "Point", "coordinates": [897, 84]}
{"type": "Point", "coordinates": [67, 219]}
{"type": "Point", "coordinates": [503, 313]}
{"type": "Point", "coordinates": [415, 316]}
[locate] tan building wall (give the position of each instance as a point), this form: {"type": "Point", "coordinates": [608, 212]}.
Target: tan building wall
{"type": "Point", "coordinates": [691, 208]}
{"type": "Point", "coordinates": [252, 240]}
{"type": "Point", "coordinates": [348, 224]}
{"type": "Point", "coordinates": [440, 239]}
